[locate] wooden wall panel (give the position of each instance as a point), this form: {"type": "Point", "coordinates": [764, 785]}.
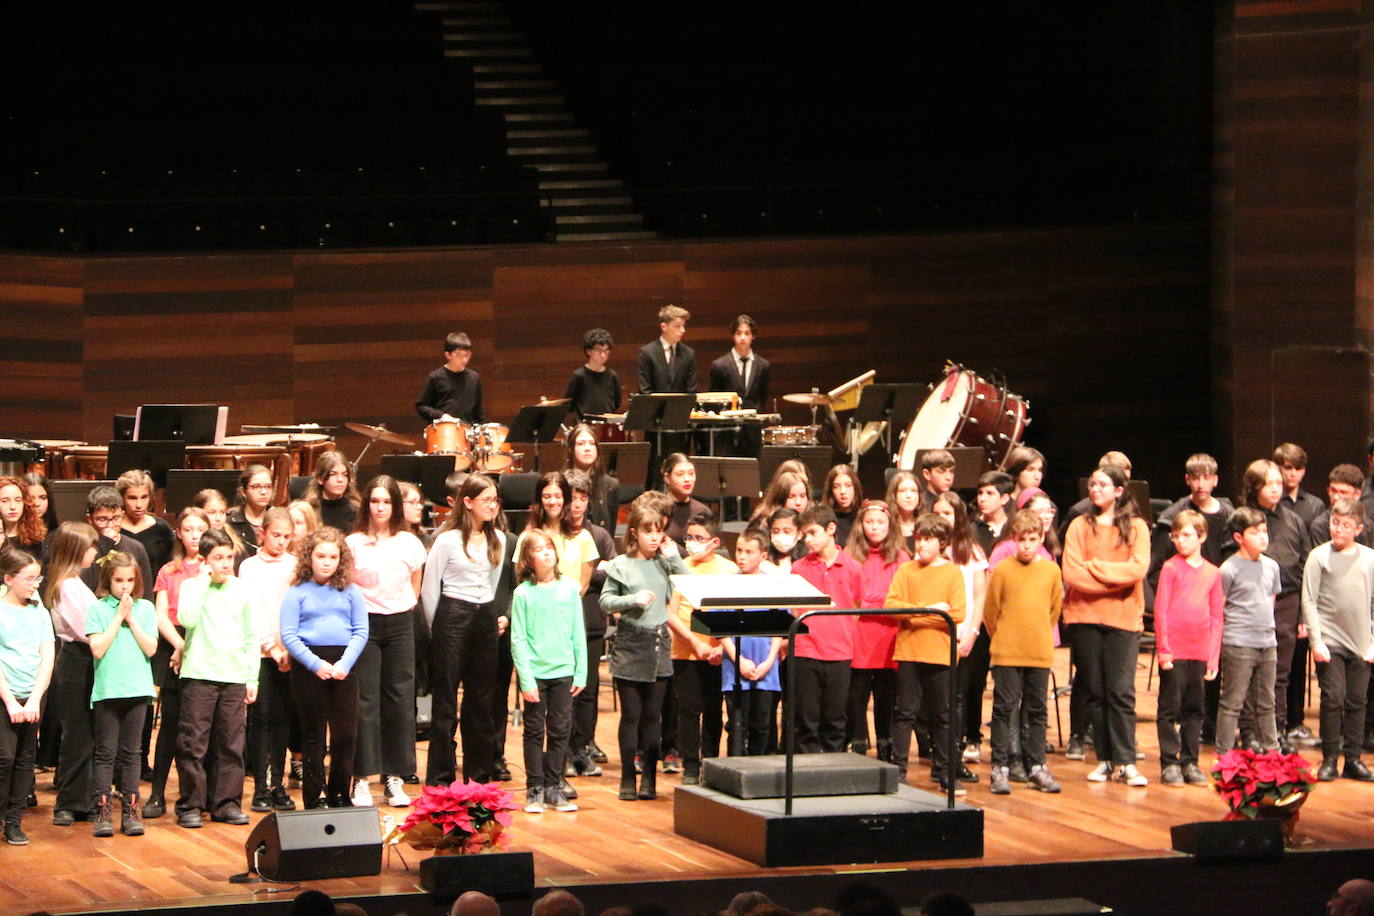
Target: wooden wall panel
{"type": "Point", "coordinates": [1104, 329]}
{"type": "Point", "coordinates": [41, 363]}
{"type": "Point", "coordinates": [1287, 118]}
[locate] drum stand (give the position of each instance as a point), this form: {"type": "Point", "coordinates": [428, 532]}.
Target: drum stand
{"type": "Point", "coordinates": [892, 404]}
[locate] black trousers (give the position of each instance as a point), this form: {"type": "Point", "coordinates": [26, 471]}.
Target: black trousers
{"type": "Point", "coordinates": [1287, 615]}
{"type": "Point", "coordinates": [585, 703]}
{"type": "Point", "coordinates": [641, 722]}
{"type": "Point", "coordinates": [18, 751]}
{"type": "Point", "coordinates": [973, 680]}
{"type": "Point", "coordinates": [500, 697]}
{"type": "Point", "coordinates": [1344, 681]}
{"type": "Point", "coordinates": [881, 684]}
{"type": "Point", "coordinates": [1106, 659]}
{"type": "Point", "coordinates": [421, 653]}
{"type": "Point", "coordinates": [169, 717]}
{"type": "Point", "coordinates": [547, 726]}
{"type": "Point", "coordinates": [1017, 693]}
{"type": "Point", "coordinates": [326, 705]}
{"type": "Point", "coordinates": [1297, 685]}
{"type": "Point", "coordinates": [118, 756]}
{"type": "Point", "coordinates": [269, 726]}
{"type": "Point", "coordinates": [462, 652]}
{"type": "Point", "coordinates": [210, 707]}
{"type": "Point", "coordinates": [757, 710]}
{"type": "Point", "coordinates": [386, 697]}
{"type": "Point", "coordinates": [696, 685]}
{"type": "Point", "coordinates": [73, 679]}
{"type": "Point", "coordinates": [1179, 719]}
{"type": "Point", "coordinates": [1078, 709]}
{"type": "Point", "coordinates": [923, 687]}
{"type": "Point", "coordinates": [822, 690]}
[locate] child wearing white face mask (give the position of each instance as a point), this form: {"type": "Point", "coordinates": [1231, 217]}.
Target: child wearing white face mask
{"type": "Point", "coordinates": [784, 539]}
{"type": "Point", "coordinates": [696, 658]}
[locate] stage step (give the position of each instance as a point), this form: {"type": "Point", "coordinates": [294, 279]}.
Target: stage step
{"type": "Point", "coordinates": [581, 184]}
{"type": "Point", "coordinates": [587, 167]}
{"type": "Point", "coordinates": [495, 85]}
{"type": "Point", "coordinates": [485, 22]}
{"type": "Point", "coordinates": [459, 38]}
{"type": "Point", "coordinates": [537, 117]}
{"type": "Point", "coordinates": [610, 200]}
{"type": "Point", "coordinates": [490, 53]}
{"type": "Point", "coordinates": [610, 220]}
{"type": "Point", "coordinates": [458, 6]}
{"type": "Point", "coordinates": [812, 775]}
{"type": "Point", "coordinates": [566, 133]}
{"type": "Point", "coordinates": [489, 69]}
{"type": "Point", "coordinates": [637, 235]}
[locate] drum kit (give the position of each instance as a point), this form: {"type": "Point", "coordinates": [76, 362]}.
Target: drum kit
{"type": "Point", "coordinates": [961, 409]}
{"type": "Point", "coordinates": [476, 446]}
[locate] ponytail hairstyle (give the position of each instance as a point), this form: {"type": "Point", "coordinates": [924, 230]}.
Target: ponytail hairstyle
{"type": "Point", "coordinates": [343, 575]}
{"type": "Point", "coordinates": [178, 549]}
{"type": "Point", "coordinates": [118, 559]}
{"type": "Point", "coordinates": [1125, 512]}
{"type": "Point", "coordinates": [203, 499]}
{"type": "Point", "coordinates": [14, 561]}
{"type": "Point", "coordinates": [69, 546]}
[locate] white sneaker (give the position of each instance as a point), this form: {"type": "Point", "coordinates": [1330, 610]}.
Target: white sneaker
{"type": "Point", "coordinates": [1132, 776]}
{"type": "Point", "coordinates": [972, 752]}
{"type": "Point", "coordinates": [395, 789]}
{"type": "Point", "coordinates": [1102, 772]}
{"type": "Point", "coordinates": [362, 794]}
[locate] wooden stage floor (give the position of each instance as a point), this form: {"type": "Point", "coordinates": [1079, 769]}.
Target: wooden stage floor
{"type": "Point", "coordinates": [608, 841]}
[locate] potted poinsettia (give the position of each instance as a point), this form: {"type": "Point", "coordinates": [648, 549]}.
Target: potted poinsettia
{"type": "Point", "coordinates": [1259, 785]}
{"type": "Point", "coordinates": [459, 821]}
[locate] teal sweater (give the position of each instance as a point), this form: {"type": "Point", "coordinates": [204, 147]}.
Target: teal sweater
{"type": "Point", "coordinates": [547, 639]}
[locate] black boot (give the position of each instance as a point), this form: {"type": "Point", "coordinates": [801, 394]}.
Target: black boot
{"type": "Point", "coordinates": [648, 779]}
{"type": "Point", "coordinates": [628, 792]}
{"type": "Point", "coordinates": [104, 816]}
{"type": "Point", "coordinates": [130, 820]}
{"type": "Point", "coordinates": [885, 750]}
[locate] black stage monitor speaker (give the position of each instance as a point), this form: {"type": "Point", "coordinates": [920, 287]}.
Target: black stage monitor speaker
{"type": "Point", "coordinates": [1230, 841]}
{"type": "Point", "coordinates": [319, 843]}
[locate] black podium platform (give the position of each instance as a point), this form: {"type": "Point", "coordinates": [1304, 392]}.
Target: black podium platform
{"type": "Point", "coordinates": [830, 830]}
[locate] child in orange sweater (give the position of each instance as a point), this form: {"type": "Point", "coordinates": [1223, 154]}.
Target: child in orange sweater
{"type": "Point", "coordinates": [923, 645]}
{"type": "Point", "coordinates": [1023, 602]}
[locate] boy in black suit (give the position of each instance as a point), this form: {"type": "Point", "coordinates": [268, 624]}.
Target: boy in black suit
{"type": "Point", "coordinates": [667, 365]}
{"type": "Point", "coordinates": [746, 373]}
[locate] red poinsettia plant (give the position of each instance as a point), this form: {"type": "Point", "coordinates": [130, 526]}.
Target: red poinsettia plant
{"type": "Point", "coordinates": [1248, 781]}
{"type": "Point", "coordinates": [465, 817]}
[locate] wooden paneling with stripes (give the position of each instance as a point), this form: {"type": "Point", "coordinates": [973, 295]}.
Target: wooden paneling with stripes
{"type": "Point", "coordinates": [1290, 339]}
{"type": "Point", "coordinates": [1102, 328]}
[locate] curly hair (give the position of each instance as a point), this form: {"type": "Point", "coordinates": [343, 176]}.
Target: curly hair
{"type": "Point", "coordinates": [30, 530]}
{"type": "Point", "coordinates": [343, 576]}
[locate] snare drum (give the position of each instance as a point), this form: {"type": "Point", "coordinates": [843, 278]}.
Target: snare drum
{"type": "Point", "coordinates": [791, 435]}
{"type": "Point", "coordinates": [964, 409]}
{"type": "Point", "coordinates": [447, 437]}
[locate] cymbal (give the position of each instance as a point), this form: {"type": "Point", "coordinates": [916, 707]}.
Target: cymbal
{"type": "Point", "coordinates": [379, 433]}
{"type": "Point", "coordinates": [556, 402]}
{"type": "Point", "coordinates": [809, 398]}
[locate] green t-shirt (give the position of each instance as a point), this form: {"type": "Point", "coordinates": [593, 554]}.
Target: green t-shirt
{"type": "Point", "coordinates": [123, 671]}
{"type": "Point", "coordinates": [23, 631]}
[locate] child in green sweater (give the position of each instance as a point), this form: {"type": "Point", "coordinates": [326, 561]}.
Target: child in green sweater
{"type": "Point", "coordinates": [549, 646]}
{"type": "Point", "coordinates": [122, 628]}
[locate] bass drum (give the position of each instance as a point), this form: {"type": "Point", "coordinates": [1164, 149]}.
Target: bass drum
{"type": "Point", "coordinates": [965, 409]}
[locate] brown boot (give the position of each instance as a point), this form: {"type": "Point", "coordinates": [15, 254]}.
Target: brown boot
{"type": "Point", "coordinates": [131, 819]}
{"type": "Point", "coordinates": [103, 819]}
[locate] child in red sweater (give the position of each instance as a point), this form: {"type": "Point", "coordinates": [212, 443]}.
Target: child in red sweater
{"type": "Point", "coordinates": [823, 657]}
{"type": "Point", "coordinates": [1188, 627]}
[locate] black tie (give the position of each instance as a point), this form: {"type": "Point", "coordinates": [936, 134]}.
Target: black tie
{"type": "Point", "coordinates": [744, 371]}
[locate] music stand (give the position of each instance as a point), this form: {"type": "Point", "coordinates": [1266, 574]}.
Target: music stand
{"type": "Point", "coordinates": [183, 485]}
{"type": "Point", "coordinates": [969, 464]}
{"type": "Point", "coordinates": [895, 403]}
{"type": "Point", "coordinates": [537, 423]}
{"type": "Point", "coordinates": [195, 424]}
{"type": "Point", "coordinates": [734, 606]}
{"type": "Point", "coordinates": [428, 472]}
{"type": "Point", "coordinates": [155, 456]}
{"type": "Point", "coordinates": [724, 478]}
{"type": "Point", "coordinates": [659, 414]}
{"type": "Point", "coordinates": [69, 497]}
{"type": "Point", "coordinates": [1140, 489]}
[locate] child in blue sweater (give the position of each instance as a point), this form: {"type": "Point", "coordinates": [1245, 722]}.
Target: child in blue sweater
{"type": "Point", "coordinates": [549, 645]}
{"type": "Point", "coordinates": [324, 627]}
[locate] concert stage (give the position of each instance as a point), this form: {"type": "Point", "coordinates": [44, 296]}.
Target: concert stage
{"type": "Point", "coordinates": [1105, 842]}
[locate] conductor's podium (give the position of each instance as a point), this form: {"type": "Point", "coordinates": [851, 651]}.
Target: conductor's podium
{"type": "Point", "coordinates": [846, 809]}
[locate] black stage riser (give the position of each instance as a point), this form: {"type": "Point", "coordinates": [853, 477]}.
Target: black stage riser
{"type": "Point", "coordinates": [856, 829]}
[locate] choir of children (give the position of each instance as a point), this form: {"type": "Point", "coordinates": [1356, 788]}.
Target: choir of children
{"type": "Point", "coordinates": [310, 645]}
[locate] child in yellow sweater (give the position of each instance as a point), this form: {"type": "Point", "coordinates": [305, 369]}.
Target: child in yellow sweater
{"type": "Point", "coordinates": [1024, 599]}
{"type": "Point", "coordinates": [923, 644]}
